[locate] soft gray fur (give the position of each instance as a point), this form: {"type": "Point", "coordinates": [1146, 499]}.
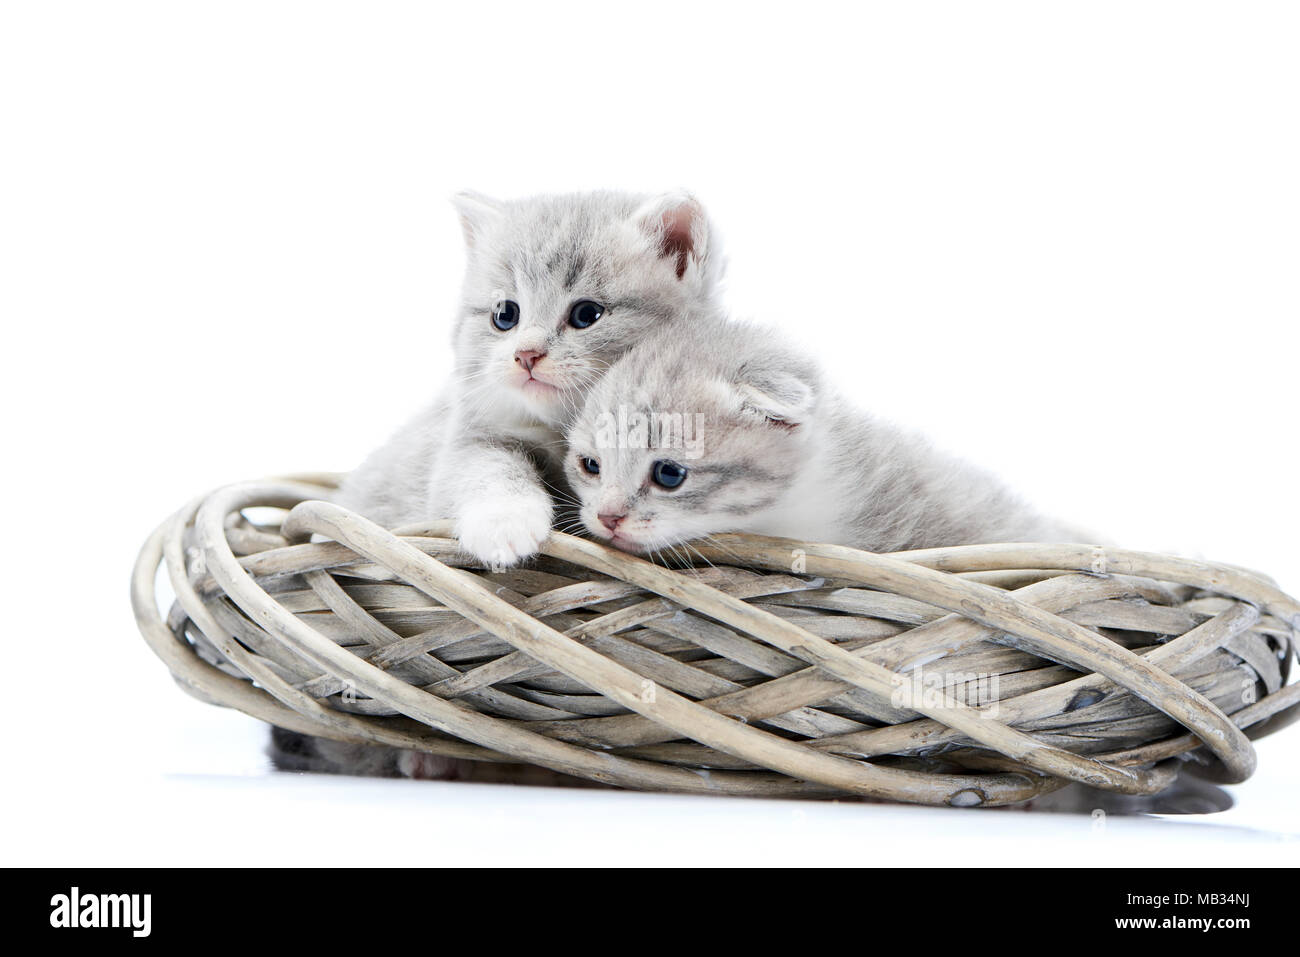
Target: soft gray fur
{"type": "Point", "coordinates": [770, 448]}
{"type": "Point", "coordinates": [479, 453]}
{"type": "Point", "coordinates": [485, 452]}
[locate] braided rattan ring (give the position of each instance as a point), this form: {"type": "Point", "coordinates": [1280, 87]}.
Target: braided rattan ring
{"type": "Point", "coordinates": [972, 675]}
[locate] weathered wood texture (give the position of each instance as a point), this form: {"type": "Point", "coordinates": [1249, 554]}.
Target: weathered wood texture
{"type": "Point", "coordinates": [973, 675]}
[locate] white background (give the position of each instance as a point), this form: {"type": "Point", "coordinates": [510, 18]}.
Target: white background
{"type": "Point", "coordinates": [1061, 238]}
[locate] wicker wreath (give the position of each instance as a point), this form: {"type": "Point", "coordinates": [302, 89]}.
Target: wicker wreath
{"type": "Point", "coordinates": [973, 675]}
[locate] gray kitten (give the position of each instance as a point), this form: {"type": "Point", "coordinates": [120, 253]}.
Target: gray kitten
{"type": "Point", "coordinates": [556, 289]}
{"type": "Point", "coordinates": [723, 427]}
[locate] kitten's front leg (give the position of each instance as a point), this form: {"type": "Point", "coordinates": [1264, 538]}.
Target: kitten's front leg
{"type": "Point", "coordinates": [500, 505]}
{"type": "Point", "coordinates": [502, 532]}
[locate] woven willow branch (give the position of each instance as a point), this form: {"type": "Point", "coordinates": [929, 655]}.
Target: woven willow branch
{"type": "Point", "coordinates": [773, 668]}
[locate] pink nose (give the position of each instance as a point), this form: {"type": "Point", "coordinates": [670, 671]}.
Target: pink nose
{"type": "Point", "coordinates": [527, 358]}
{"type": "Point", "coordinates": [611, 519]}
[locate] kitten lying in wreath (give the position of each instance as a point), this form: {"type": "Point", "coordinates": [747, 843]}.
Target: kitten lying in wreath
{"type": "Point", "coordinates": [721, 427]}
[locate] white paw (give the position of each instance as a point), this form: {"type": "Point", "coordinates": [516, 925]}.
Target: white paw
{"type": "Point", "coordinates": [502, 533]}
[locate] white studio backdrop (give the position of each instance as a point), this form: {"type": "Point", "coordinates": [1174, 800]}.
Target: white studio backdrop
{"type": "Point", "coordinates": [1059, 238]}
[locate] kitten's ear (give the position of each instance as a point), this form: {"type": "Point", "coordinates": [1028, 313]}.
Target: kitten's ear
{"type": "Point", "coordinates": [676, 222]}
{"type": "Point", "coordinates": [781, 396]}
{"type": "Point", "coordinates": [477, 212]}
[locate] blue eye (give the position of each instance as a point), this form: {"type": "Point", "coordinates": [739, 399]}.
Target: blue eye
{"type": "Point", "coordinates": [585, 313]}
{"type": "Point", "coordinates": [505, 315]}
{"type": "Point", "coordinates": [668, 474]}
{"type": "Point", "coordinates": [589, 465]}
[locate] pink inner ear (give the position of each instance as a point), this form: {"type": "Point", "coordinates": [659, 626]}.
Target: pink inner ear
{"type": "Point", "coordinates": [676, 240]}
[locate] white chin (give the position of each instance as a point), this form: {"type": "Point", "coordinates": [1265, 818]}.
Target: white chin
{"type": "Point", "coordinates": [630, 545]}
{"type": "Point", "coordinates": [538, 393]}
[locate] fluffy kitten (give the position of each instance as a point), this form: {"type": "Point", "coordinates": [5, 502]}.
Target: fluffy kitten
{"type": "Point", "coordinates": [556, 289]}
{"type": "Point", "coordinates": [723, 427]}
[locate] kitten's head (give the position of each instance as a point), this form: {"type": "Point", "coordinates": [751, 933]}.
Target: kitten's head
{"type": "Point", "coordinates": [692, 434]}
{"type": "Point", "coordinates": [558, 287]}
